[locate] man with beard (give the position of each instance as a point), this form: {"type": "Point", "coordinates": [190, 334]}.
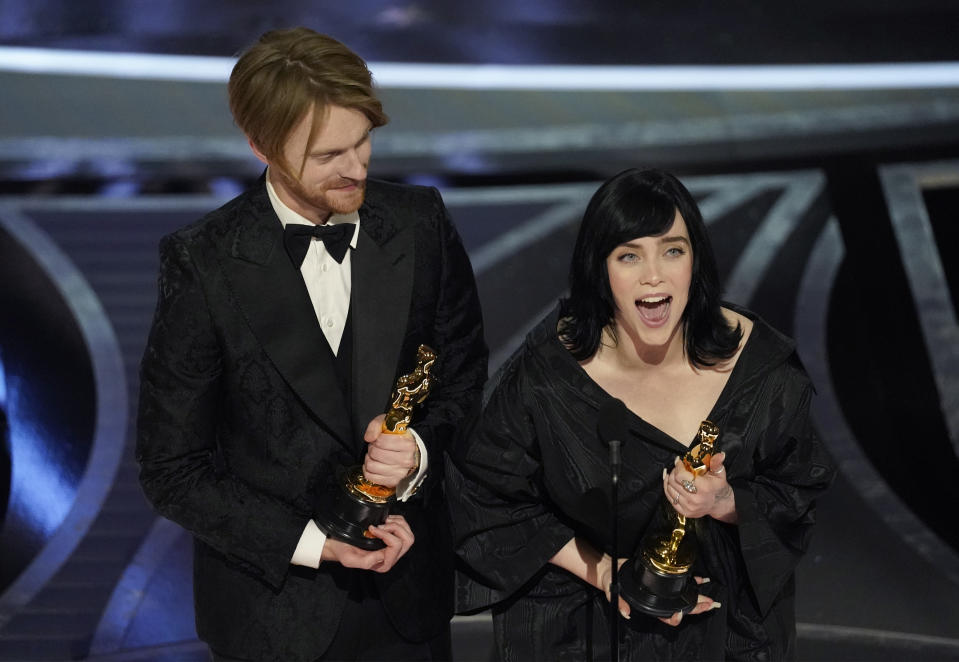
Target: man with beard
{"type": "Point", "coordinates": [272, 356]}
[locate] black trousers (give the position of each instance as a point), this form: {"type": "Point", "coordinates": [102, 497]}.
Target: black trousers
{"type": "Point", "coordinates": [365, 634]}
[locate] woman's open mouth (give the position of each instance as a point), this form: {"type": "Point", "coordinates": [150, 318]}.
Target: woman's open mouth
{"type": "Point", "coordinates": [654, 309]}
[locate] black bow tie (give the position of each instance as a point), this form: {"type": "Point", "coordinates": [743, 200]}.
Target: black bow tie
{"type": "Point", "coordinates": [296, 238]}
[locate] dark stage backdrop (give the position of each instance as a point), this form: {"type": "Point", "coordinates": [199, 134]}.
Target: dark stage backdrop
{"type": "Point", "coordinates": [831, 197]}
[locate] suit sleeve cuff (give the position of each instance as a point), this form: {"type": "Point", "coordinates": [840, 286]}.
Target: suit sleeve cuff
{"type": "Point", "coordinates": [309, 550]}
{"type": "Point", "coordinates": [408, 486]}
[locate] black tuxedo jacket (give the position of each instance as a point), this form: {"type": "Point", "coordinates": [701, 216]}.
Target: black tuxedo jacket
{"type": "Point", "coordinates": [242, 423]}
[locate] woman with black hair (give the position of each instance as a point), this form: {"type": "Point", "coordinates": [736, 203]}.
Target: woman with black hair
{"type": "Point", "coordinates": [528, 482]}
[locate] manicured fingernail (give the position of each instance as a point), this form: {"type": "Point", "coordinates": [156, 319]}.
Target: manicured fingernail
{"type": "Point", "coordinates": [706, 580]}
{"type": "Point", "coordinates": [664, 474]}
{"type": "Point", "coordinates": [716, 605]}
{"type": "Point", "coordinates": [676, 461]}
{"type": "Point", "coordinates": [624, 614]}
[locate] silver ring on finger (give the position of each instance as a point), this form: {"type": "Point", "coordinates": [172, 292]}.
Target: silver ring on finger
{"type": "Point", "coordinates": [690, 486]}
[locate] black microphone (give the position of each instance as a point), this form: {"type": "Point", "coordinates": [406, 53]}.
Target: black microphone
{"type": "Point", "coordinates": [613, 431]}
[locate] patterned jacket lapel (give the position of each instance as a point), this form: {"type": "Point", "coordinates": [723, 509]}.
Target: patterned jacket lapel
{"type": "Point", "coordinates": [382, 287]}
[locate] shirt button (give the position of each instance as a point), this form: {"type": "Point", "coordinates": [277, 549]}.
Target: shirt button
{"type": "Point", "coordinates": [326, 267]}
{"type": "Point", "coordinates": [329, 321]}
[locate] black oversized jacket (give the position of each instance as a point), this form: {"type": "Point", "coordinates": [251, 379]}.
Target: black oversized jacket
{"type": "Point", "coordinates": [533, 473]}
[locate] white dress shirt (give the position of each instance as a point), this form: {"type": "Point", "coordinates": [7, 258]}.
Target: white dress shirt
{"type": "Point", "coordinates": [329, 284]}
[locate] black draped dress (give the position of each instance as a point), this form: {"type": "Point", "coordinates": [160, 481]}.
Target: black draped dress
{"type": "Point", "coordinates": [531, 473]}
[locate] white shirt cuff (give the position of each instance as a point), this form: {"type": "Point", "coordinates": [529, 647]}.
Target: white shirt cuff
{"type": "Point", "coordinates": [309, 551]}
{"type": "Point", "coordinates": [408, 486]}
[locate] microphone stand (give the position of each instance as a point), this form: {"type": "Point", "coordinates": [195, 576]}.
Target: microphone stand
{"type": "Point", "coordinates": [613, 430]}
{"type": "Point", "coordinates": [614, 461]}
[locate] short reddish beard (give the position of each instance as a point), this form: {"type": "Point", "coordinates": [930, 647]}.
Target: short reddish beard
{"type": "Point", "coordinates": [339, 203]}
{"type": "Point", "coordinates": [323, 200]}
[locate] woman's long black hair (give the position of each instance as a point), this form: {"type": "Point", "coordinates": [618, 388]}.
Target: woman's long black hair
{"type": "Point", "coordinates": [642, 203]}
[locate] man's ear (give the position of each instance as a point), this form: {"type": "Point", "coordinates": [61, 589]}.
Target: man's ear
{"type": "Point", "coordinates": [256, 151]}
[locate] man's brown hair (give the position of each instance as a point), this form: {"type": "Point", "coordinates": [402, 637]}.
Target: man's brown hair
{"type": "Point", "coordinates": [286, 72]}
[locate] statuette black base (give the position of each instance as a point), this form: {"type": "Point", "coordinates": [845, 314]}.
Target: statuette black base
{"type": "Point", "coordinates": [348, 516]}
{"type": "Point", "coordinates": [656, 593]}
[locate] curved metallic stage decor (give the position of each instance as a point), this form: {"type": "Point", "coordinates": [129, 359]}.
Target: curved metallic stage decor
{"type": "Point", "coordinates": [780, 250]}
{"type": "Point", "coordinates": [64, 401]}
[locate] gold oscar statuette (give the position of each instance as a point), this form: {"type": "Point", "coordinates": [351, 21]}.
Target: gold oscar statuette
{"type": "Point", "coordinates": [410, 390]}
{"type": "Point", "coordinates": [658, 579]}
{"type": "Point", "coordinates": [358, 502]}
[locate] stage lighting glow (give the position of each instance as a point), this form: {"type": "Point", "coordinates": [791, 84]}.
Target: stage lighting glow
{"type": "Point", "coordinates": [3, 383]}
{"type": "Point", "coordinates": [668, 77]}
{"type": "Point", "coordinates": [505, 77]}
{"type": "Point", "coordinates": [39, 493]}
{"type": "Point", "coordinates": [114, 65]}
